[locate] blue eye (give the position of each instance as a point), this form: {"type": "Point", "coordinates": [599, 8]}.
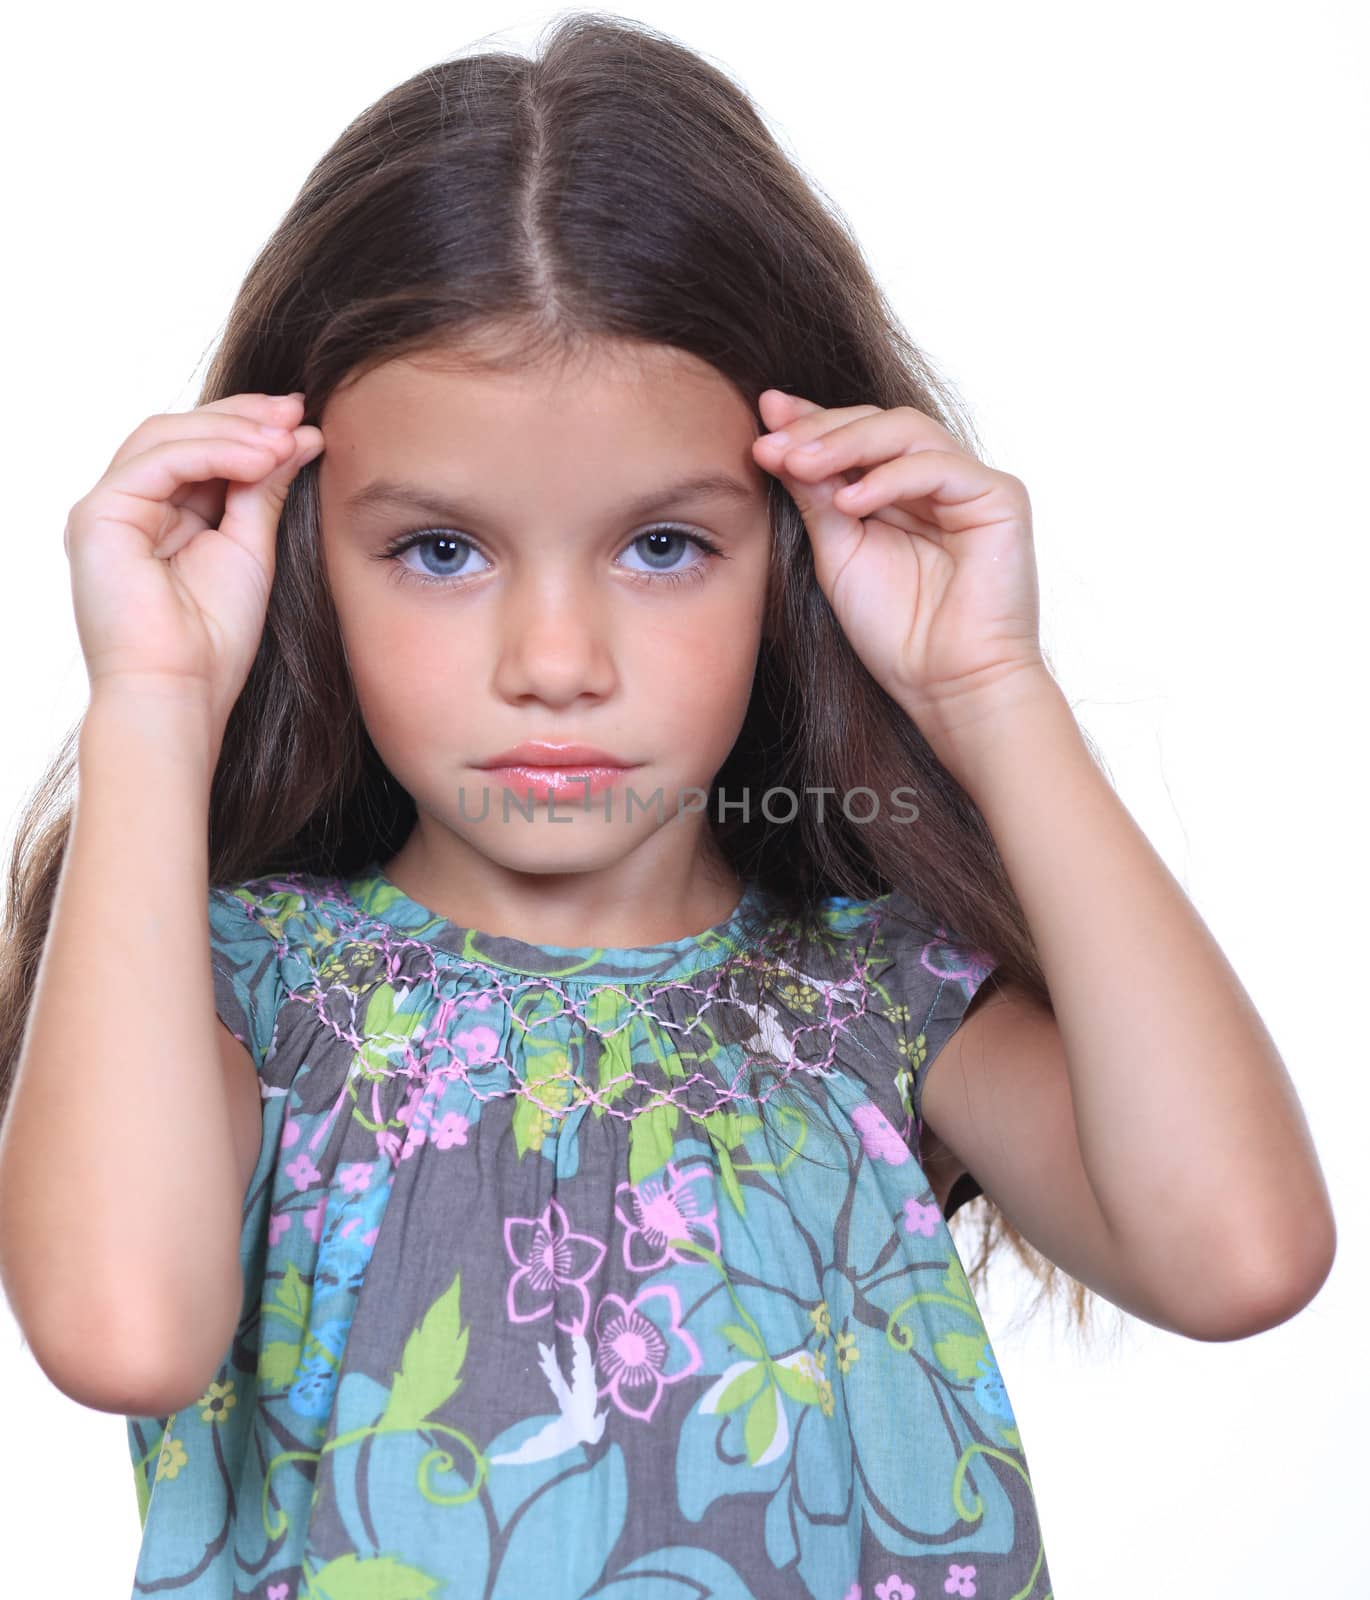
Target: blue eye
{"type": "Point", "coordinates": [445, 546]}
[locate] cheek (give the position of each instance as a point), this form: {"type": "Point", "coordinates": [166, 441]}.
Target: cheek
{"type": "Point", "coordinates": [408, 668]}
{"type": "Point", "coordinates": [704, 678]}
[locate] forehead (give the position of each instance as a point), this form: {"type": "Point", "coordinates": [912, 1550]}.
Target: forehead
{"type": "Point", "coordinates": [548, 445]}
{"type": "Point", "coordinates": [637, 394]}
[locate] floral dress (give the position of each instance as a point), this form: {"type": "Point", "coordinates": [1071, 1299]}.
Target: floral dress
{"type": "Point", "coordinates": [552, 1289]}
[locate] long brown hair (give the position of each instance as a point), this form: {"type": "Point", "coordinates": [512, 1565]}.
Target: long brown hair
{"type": "Point", "coordinates": [506, 211]}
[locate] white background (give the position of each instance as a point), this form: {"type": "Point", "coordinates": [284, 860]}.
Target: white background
{"type": "Point", "coordinates": [1132, 237]}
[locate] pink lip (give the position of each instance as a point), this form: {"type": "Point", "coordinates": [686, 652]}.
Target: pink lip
{"type": "Point", "coordinates": [563, 757]}
{"type": "Point", "coordinates": [557, 783]}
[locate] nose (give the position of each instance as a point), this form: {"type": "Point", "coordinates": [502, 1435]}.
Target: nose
{"type": "Point", "coordinates": [555, 640]}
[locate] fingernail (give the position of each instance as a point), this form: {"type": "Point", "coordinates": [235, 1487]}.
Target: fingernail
{"type": "Point", "coordinates": [780, 437]}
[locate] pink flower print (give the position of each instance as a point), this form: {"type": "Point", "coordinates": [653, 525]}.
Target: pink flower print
{"type": "Point", "coordinates": [313, 1218]}
{"type": "Point", "coordinates": [662, 1208]}
{"type": "Point", "coordinates": [549, 1258]}
{"type": "Point", "coordinates": [388, 1144]}
{"type": "Point", "coordinates": [635, 1351]}
{"type": "Point", "coordinates": [302, 1172]}
{"type": "Point", "coordinates": [278, 1591]}
{"type": "Point", "coordinates": [477, 1045]}
{"type": "Point", "coordinates": [278, 1224]}
{"type": "Point", "coordinates": [354, 1177]}
{"type": "Point", "coordinates": [878, 1138]}
{"type": "Point", "coordinates": [854, 1593]}
{"type": "Point", "coordinates": [894, 1588]}
{"type": "Point", "coordinates": [450, 1131]}
{"type": "Point", "coordinates": [289, 1133]}
{"type": "Point", "coordinates": [920, 1218]}
{"type": "Point", "coordinates": [957, 1577]}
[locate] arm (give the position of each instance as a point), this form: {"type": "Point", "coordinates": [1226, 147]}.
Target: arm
{"type": "Point", "coordinates": [120, 1192]}
{"type": "Point", "coordinates": [1147, 1136]}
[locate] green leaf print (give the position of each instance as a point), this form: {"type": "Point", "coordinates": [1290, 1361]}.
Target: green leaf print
{"type": "Point", "coordinates": [727, 1130]}
{"type": "Point", "coordinates": [614, 1068]}
{"type": "Point", "coordinates": [960, 1354]}
{"type": "Point", "coordinates": [279, 1359]}
{"type": "Point", "coordinates": [759, 1429]}
{"type": "Point", "coordinates": [383, 1028]}
{"type": "Point", "coordinates": [954, 1282]}
{"type": "Point", "coordinates": [745, 1340]}
{"type": "Point", "coordinates": [429, 1368]}
{"type": "Point", "coordinates": [294, 1293]}
{"type": "Point", "coordinates": [745, 1386]}
{"type": "Point", "coordinates": [278, 1362]}
{"type": "Point", "coordinates": [354, 1577]}
{"type": "Point", "coordinates": [798, 1385]}
{"type": "Point", "coordinates": [731, 1187]}
{"type": "Point", "coordinates": [144, 1488]}
{"type": "Point", "coordinates": [651, 1140]}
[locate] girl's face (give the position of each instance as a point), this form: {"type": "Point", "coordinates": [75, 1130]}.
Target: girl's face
{"type": "Point", "coordinates": [539, 608]}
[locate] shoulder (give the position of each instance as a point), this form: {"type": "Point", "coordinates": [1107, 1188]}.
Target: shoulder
{"type": "Point", "coordinates": [263, 939]}
{"type": "Point", "coordinates": [280, 912]}
{"type": "Point", "coordinates": [267, 899]}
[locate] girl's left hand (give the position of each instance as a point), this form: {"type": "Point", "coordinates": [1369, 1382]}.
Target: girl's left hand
{"type": "Point", "coordinates": [926, 557]}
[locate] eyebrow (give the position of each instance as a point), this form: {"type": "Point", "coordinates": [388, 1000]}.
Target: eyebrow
{"type": "Point", "coordinates": [399, 491]}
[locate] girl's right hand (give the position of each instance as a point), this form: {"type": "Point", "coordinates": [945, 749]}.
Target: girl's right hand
{"type": "Point", "coordinates": [173, 552]}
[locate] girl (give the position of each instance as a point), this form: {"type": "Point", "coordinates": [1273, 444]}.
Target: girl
{"type": "Point", "coordinates": [559, 1201]}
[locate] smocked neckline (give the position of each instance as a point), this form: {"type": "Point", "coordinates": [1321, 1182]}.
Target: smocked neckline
{"type": "Point", "coordinates": [381, 899]}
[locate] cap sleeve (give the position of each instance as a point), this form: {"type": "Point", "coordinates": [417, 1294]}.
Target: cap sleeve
{"type": "Point", "coordinates": [933, 977]}
{"type": "Point", "coordinates": [244, 955]}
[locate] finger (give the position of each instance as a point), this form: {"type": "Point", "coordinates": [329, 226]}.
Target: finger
{"type": "Point", "coordinates": [206, 500]}
{"type": "Point", "coordinates": [770, 450]}
{"type": "Point", "coordinates": [252, 511]}
{"type": "Point", "coordinates": [138, 493]}
{"type": "Point", "coordinates": [777, 407]}
{"type": "Point", "coordinates": [202, 504]}
{"type": "Point", "coordinates": [219, 420]}
{"type": "Point", "coordinates": [948, 477]}
{"type": "Point", "coordinates": [867, 441]}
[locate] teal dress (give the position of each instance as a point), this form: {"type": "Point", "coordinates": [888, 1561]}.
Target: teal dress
{"type": "Point", "coordinates": [552, 1290]}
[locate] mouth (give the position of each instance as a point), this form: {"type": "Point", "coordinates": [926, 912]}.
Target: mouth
{"type": "Point", "coordinates": [545, 755]}
{"type": "Point", "coordinates": [571, 782]}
